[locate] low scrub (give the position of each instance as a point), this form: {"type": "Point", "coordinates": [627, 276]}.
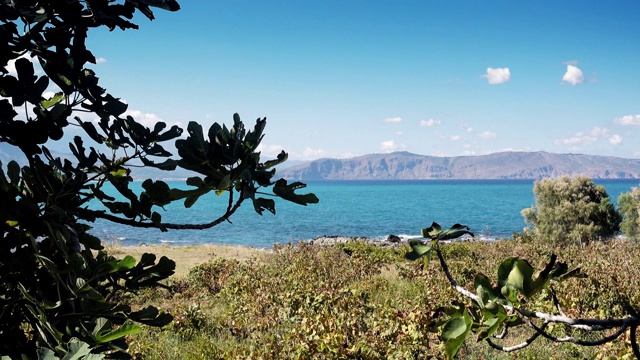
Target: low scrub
{"type": "Point", "coordinates": [358, 301]}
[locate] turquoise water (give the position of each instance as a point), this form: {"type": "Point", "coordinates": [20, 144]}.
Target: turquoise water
{"type": "Point", "coordinates": [355, 208]}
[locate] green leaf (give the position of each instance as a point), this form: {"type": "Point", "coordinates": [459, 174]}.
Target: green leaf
{"type": "Point", "coordinates": [45, 354]}
{"type": "Point", "coordinates": [435, 232]}
{"type": "Point", "coordinates": [454, 232]}
{"type": "Point", "coordinates": [47, 103]}
{"type": "Point", "coordinates": [454, 332]}
{"type": "Point", "coordinates": [418, 250]}
{"type": "Point", "coordinates": [494, 315]}
{"type": "Point", "coordinates": [120, 332]}
{"type": "Point", "coordinates": [151, 316]}
{"type": "Point", "coordinates": [34, 92]}
{"type": "Point", "coordinates": [261, 204]}
{"type": "Point", "coordinates": [432, 231]}
{"type": "Point", "coordinates": [287, 192]}
{"type": "Point", "coordinates": [485, 291]}
{"type": "Point", "coordinates": [115, 107]}
{"type": "Point", "coordinates": [13, 171]}
{"type": "Point", "coordinates": [77, 350]}
{"type": "Point", "coordinates": [282, 157]}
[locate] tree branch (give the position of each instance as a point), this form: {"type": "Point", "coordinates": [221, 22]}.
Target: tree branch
{"type": "Point", "coordinates": [520, 346]}
{"type": "Point", "coordinates": [622, 324]}
{"type": "Point", "coordinates": [452, 281]}
{"type": "Point", "coordinates": [148, 225]}
{"type": "Point", "coordinates": [634, 341]}
{"type": "Point", "coordinates": [577, 341]}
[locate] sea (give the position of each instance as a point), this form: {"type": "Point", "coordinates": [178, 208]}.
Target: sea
{"type": "Point", "coordinates": [372, 209]}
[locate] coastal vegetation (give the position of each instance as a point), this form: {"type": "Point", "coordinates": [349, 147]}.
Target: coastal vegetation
{"type": "Point", "coordinates": [571, 210]}
{"type": "Point", "coordinates": [64, 295]}
{"type": "Point", "coordinates": [310, 301]}
{"type": "Point", "coordinates": [61, 295]}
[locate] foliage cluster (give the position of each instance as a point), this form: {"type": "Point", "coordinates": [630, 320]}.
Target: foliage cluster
{"type": "Point", "coordinates": [60, 294]}
{"type": "Point", "coordinates": [629, 209]}
{"type": "Point", "coordinates": [571, 210]}
{"type": "Point", "coordinates": [306, 301]}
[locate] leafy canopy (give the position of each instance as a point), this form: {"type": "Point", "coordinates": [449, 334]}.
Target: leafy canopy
{"type": "Point", "coordinates": [61, 294]}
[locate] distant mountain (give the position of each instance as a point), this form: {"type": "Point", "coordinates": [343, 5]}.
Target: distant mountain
{"type": "Point", "coordinates": [503, 165]}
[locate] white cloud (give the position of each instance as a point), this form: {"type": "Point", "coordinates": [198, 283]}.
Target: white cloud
{"type": "Point", "coordinates": [454, 137]}
{"type": "Point", "coordinates": [11, 65]}
{"type": "Point", "coordinates": [465, 127]}
{"type": "Point", "coordinates": [487, 135]}
{"type": "Point", "coordinates": [310, 153]}
{"type": "Point", "coordinates": [628, 120]}
{"type": "Point", "coordinates": [573, 76]}
{"type": "Point", "coordinates": [101, 60]}
{"type": "Point", "coordinates": [596, 131]}
{"type": "Point", "coordinates": [148, 119]}
{"type": "Point", "coordinates": [468, 153]}
{"type": "Point", "coordinates": [430, 122]}
{"type": "Point", "coordinates": [392, 120]}
{"type": "Point", "coordinates": [497, 75]}
{"type": "Point", "coordinates": [399, 133]}
{"type": "Point", "coordinates": [615, 139]}
{"type": "Point", "coordinates": [390, 146]}
{"type": "Point", "coordinates": [579, 138]}
{"type": "Point", "coordinates": [270, 151]}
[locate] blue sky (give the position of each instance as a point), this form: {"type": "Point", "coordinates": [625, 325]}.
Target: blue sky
{"type": "Point", "coordinates": [348, 77]}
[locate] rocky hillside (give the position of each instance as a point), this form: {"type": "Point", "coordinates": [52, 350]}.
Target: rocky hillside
{"type": "Point", "coordinates": [503, 165]}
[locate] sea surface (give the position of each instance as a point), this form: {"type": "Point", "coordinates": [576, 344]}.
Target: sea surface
{"type": "Point", "coordinates": [374, 209]}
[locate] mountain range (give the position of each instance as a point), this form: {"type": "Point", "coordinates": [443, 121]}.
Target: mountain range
{"type": "Point", "coordinates": [502, 165]}
{"type": "Point", "coordinates": [408, 166]}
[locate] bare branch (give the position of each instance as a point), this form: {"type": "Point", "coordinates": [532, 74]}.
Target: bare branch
{"type": "Point", "coordinates": [517, 347]}
{"type": "Point", "coordinates": [148, 225]}
{"type": "Point", "coordinates": [503, 334]}
{"type": "Point", "coordinates": [584, 324]}
{"type": "Point", "coordinates": [453, 282]}
{"type": "Point", "coordinates": [577, 341]}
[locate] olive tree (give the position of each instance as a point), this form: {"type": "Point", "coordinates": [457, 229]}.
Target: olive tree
{"type": "Point", "coordinates": [60, 294]}
{"type": "Point", "coordinates": [629, 209]}
{"type": "Point", "coordinates": [571, 209]}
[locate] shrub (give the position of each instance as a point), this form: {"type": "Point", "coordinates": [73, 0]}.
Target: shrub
{"type": "Point", "coordinates": [629, 209]}
{"type": "Point", "coordinates": [571, 210]}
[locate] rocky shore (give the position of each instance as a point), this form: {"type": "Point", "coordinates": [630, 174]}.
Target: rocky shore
{"type": "Point", "coordinates": [390, 241]}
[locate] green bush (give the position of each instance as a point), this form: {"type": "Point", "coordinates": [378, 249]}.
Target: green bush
{"type": "Point", "coordinates": [629, 209]}
{"type": "Point", "coordinates": [571, 210]}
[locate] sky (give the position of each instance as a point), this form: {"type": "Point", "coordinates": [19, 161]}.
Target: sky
{"type": "Point", "coordinates": [342, 78]}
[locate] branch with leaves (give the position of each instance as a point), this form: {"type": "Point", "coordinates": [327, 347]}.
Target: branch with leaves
{"type": "Point", "coordinates": [61, 294]}
{"type": "Point", "coordinates": [496, 307]}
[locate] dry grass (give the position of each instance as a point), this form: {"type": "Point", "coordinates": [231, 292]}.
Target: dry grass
{"type": "Point", "coordinates": [186, 257]}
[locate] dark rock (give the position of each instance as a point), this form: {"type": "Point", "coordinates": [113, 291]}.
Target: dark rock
{"type": "Point", "coordinates": [394, 238]}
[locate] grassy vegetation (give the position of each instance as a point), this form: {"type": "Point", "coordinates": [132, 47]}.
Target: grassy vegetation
{"type": "Point", "coordinates": [360, 301]}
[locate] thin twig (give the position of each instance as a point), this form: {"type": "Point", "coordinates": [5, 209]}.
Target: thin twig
{"type": "Point", "coordinates": [452, 281]}
{"type": "Point", "coordinates": [556, 302]}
